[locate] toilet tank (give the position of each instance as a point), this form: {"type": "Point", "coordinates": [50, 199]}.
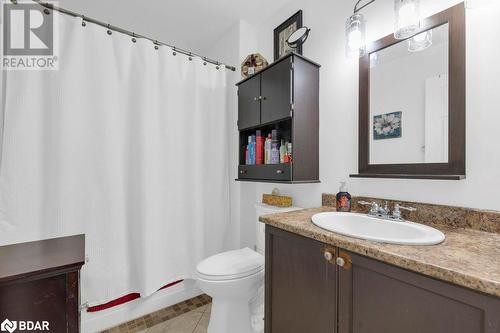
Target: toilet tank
{"type": "Point", "coordinates": [263, 209]}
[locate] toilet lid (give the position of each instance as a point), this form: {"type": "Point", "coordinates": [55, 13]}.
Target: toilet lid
{"type": "Point", "coordinates": [231, 265]}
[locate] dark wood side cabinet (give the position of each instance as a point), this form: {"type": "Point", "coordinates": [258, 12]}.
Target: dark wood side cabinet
{"type": "Point", "coordinates": [307, 291]}
{"type": "Point", "coordinates": [283, 97]}
{"type": "Point", "coordinates": [39, 281]}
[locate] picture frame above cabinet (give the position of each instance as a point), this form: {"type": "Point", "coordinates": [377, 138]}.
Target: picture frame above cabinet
{"type": "Point", "coordinates": [282, 99]}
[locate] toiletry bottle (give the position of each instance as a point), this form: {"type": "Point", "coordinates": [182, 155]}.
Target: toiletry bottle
{"type": "Point", "coordinates": [289, 152]}
{"type": "Point", "coordinates": [282, 151]}
{"type": "Point", "coordinates": [343, 199]}
{"type": "Point", "coordinates": [259, 148]}
{"type": "Point", "coordinates": [268, 149]}
{"type": "Point", "coordinates": [286, 159]}
{"type": "Point", "coordinates": [253, 151]}
{"type": "Point", "coordinates": [246, 155]}
{"type": "Point", "coordinates": [275, 153]}
{"type": "Point", "coordinates": [249, 147]}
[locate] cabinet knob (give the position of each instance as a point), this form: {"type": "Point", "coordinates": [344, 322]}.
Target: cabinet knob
{"type": "Point", "coordinates": [264, 98]}
{"type": "Point", "coordinates": [279, 172]}
{"type": "Point", "coordinates": [256, 98]}
{"type": "Point", "coordinates": [344, 260]}
{"type": "Point", "coordinates": [340, 261]}
{"type": "Point", "coordinates": [243, 172]}
{"type": "Point", "coordinates": [328, 255]}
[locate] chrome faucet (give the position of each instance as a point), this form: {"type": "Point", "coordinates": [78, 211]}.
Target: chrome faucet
{"type": "Point", "coordinates": [384, 212]}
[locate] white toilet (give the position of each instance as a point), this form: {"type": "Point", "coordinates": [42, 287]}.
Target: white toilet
{"type": "Point", "coordinates": [235, 281]}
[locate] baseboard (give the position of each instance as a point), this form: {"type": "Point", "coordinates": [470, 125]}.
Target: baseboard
{"type": "Point", "coordinates": [97, 321]}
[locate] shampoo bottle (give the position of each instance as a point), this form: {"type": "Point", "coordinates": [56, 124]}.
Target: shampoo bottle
{"type": "Point", "coordinates": [343, 199]}
{"type": "Point", "coordinates": [253, 150]}
{"type": "Point", "coordinates": [259, 148]}
{"type": "Point", "coordinates": [282, 151]}
{"type": "Point", "coordinates": [267, 150]}
{"type": "Point", "coordinates": [249, 148]}
{"type": "Point", "coordinates": [275, 153]}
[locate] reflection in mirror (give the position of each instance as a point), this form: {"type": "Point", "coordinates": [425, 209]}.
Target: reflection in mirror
{"type": "Point", "coordinates": [409, 100]}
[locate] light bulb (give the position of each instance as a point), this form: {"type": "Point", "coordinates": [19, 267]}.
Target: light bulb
{"type": "Point", "coordinates": [407, 18]}
{"type": "Point", "coordinates": [354, 39]}
{"type": "Point", "coordinates": [355, 36]}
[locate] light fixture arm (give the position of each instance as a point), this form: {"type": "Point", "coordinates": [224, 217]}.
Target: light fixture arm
{"type": "Point", "coordinates": [356, 9]}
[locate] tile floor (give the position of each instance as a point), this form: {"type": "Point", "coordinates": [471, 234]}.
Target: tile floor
{"type": "Point", "coordinates": [195, 321]}
{"type": "Point", "coordinates": [189, 316]}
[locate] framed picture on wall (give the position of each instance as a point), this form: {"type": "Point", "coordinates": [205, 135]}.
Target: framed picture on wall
{"type": "Point", "coordinates": [283, 31]}
{"type": "Point", "coordinates": [387, 126]}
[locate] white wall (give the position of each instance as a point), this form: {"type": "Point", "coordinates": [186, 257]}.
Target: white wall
{"type": "Point", "coordinates": [339, 110]}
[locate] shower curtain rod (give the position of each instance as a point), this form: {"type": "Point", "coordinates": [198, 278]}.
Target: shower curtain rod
{"type": "Point", "coordinates": [130, 33]}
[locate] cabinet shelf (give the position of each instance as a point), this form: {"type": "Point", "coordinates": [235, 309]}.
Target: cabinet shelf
{"type": "Point", "coordinates": [282, 97]}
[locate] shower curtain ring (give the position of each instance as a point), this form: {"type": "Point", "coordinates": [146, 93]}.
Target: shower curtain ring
{"type": "Point", "coordinates": [204, 61]}
{"type": "Point", "coordinates": [83, 21]}
{"type": "Point", "coordinates": [174, 51]}
{"type": "Point", "coordinates": [109, 30]}
{"type": "Point", "coordinates": [218, 65]}
{"type": "Point", "coordinates": [190, 56]}
{"type": "Point", "coordinates": [133, 38]}
{"type": "Point", "coordinates": [156, 45]}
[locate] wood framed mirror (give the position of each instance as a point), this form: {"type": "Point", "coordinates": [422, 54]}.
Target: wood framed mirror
{"type": "Point", "coordinates": [412, 102]}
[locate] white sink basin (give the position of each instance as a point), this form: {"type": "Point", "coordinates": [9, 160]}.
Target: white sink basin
{"type": "Point", "coordinates": [375, 229]}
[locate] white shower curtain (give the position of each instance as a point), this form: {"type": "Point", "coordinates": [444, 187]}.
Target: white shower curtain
{"type": "Point", "coordinates": [124, 143]}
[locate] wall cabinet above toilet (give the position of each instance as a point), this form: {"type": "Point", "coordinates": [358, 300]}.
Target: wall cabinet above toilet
{"type": "Point", "coordinates": [282, 97]}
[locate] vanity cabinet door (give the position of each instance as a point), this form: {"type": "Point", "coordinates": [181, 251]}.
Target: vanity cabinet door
{"type": "Point", "coordinates": [277, 91]}
{"type": "Point", "coordinates": [377, 297]}
{"type": "Point", "coordinates": [249, 103]}
{"type": "Point", "coordinates": [300, 285]}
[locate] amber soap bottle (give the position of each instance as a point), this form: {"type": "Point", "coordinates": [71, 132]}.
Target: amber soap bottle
{"type": "Point", "coordinates": [343, 199]}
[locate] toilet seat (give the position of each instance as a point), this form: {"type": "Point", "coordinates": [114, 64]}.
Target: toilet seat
{"type": "Point", "coordinates": [231, 265]}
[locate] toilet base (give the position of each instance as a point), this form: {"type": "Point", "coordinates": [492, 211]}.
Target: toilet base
{"type": "Point", "coordinates": [229, 317]}
{"type": "Point", "coordinates": [237, 304]}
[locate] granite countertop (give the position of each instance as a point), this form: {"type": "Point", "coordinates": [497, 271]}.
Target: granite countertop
{"type": "Point", "coordinates": [469, 258]}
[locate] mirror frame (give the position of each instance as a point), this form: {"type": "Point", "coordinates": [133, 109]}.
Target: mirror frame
{"type": "Point", "coordinates": [455, 168]}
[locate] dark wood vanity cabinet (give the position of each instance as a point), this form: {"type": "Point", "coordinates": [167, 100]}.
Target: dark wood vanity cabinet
{"type": "Point", "coordinates": [301, 286]}
{"type": "Point", "coordinates": [307, 291]}
{"type": "Point", "coordinates": [283, 97]}
{"type": "Point", "coordinates": [377, 297]}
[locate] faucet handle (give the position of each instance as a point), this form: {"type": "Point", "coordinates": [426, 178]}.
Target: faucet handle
{"type": "Point", "coordinates": [410, 209]}
{"type": "Point", "coordinates": [397, 210]}
{"type": "Point", "coordinates": [374, 207]}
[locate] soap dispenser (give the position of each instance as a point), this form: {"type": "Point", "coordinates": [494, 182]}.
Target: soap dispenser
{"type": "Point", "coordinates": [343, 199]}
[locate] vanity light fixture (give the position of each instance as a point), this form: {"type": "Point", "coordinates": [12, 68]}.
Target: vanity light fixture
{"type": "Point", "coordinates": [420, 42]}
{"type": "Point", "coordinates": [355, 32]}
{"type": "Point", "coordinates": [407, 21]}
